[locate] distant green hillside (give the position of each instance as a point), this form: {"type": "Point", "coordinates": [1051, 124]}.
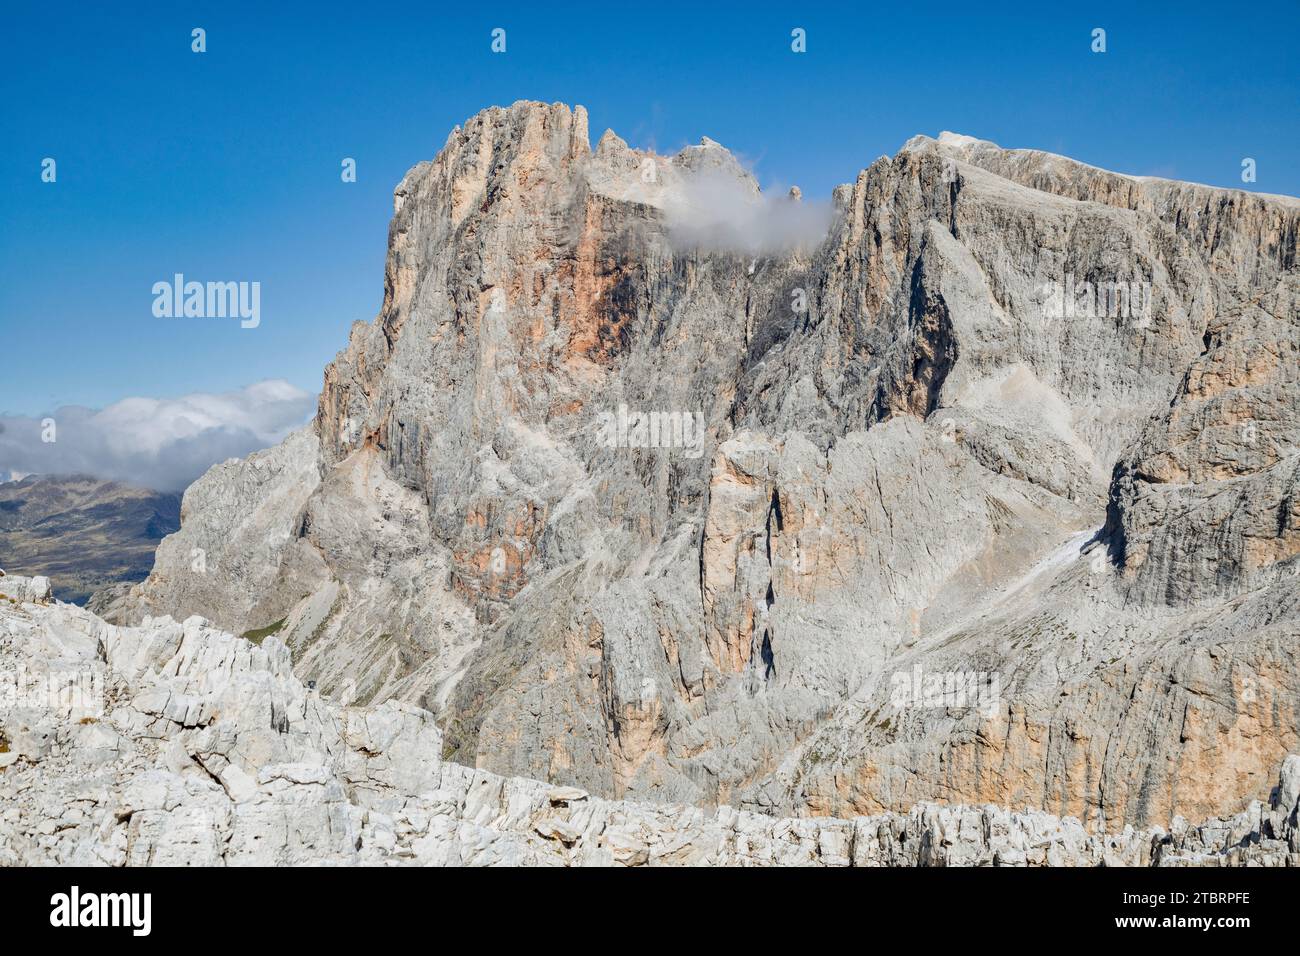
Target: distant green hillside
{"type": "Point", "coordinates": [81, 532]}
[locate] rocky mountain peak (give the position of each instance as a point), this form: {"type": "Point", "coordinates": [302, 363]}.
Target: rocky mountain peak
{"type": "Point", "coordinates": [647, 483]}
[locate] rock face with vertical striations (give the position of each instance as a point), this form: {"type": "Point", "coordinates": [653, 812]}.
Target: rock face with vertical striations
{"type": "Point", "coordinates": [175, 744]}
{"type": "Point", "coordinates": [976, 486]}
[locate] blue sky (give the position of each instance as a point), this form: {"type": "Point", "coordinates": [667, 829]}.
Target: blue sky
{"type": "Point", "coordinates": [225, 165]}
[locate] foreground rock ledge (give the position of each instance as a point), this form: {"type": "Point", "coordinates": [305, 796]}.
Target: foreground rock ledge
{"type": "Point", "coordinates": [189, 746]}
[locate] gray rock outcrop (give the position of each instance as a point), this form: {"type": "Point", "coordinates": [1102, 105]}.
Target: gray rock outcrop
{"type": "Point", "coordinates": [175, 744]}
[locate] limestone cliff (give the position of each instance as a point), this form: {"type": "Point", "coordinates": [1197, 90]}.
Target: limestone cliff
{"type": "Point", "coordinates": [178, 745]}
{"type": "Point", "coordinates": [640, 489]}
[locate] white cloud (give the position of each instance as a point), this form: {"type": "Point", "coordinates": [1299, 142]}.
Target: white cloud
{"type": "Point", "coordinates": [159, 443]}
{"type": "Point", "coordinates": [714, 209]}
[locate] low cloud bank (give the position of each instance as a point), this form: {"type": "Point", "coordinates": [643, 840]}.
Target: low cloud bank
{"type": "Point", "coordinates": [715, 210]}
{"type": "Point", "coordinates": [158, 443]}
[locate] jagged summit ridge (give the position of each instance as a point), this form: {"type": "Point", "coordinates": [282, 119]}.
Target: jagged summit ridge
{"type": "Point", "coordinates": [962, 146]}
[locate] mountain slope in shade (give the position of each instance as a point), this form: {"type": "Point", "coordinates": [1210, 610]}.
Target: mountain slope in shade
{"type": "Point", "coordinates": [84, 532]}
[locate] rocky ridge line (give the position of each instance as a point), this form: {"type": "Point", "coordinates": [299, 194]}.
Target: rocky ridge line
{"type": "Point", "coordinates": [207, 750]}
